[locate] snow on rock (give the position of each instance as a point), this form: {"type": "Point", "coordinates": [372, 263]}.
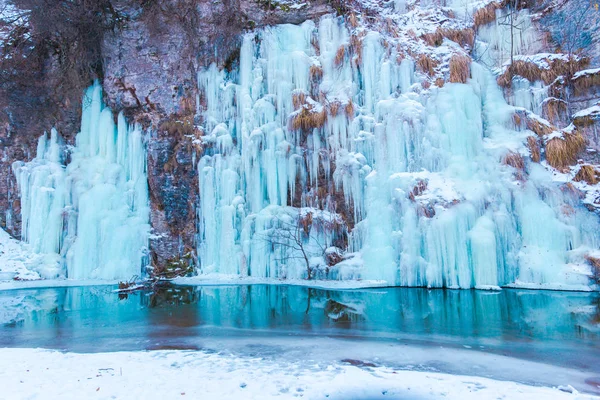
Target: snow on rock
{"type": "Point", "coordinates": [593, 112]}
{"type": "Point", "coordinates": [43, 374]}
{"type": "Point", "coordinates": [586, 72]}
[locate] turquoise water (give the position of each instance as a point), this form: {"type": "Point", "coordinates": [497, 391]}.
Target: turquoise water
{"type": "Point", "coordinates": [511, 321]}
{"type": "Point", "coordinates": [535, 337]}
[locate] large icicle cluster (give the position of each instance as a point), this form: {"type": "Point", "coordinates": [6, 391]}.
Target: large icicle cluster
{"type": "Point", "coordinates": [94, 212]}
{"type": "Point", "coordinates": [315, 120]}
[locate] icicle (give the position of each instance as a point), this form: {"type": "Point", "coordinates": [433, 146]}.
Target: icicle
{"type": "Point", "coordinates": [418, 172]}
{"type": "Point", "coordinates": [95, 211]}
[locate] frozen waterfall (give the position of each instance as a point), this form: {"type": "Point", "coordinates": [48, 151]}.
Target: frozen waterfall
{"type": "Point", "coordinates": [93, 212]}
{"type": "Point", "coordinates": [312, 151]}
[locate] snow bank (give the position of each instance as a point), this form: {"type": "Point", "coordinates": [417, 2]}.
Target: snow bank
{"type": "Point", "coordinates": [18, 262]}
{"type": "Point", "coordinates": [43, 374]}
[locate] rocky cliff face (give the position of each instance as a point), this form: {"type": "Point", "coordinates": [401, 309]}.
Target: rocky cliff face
{"type": "Point", "coordinates": [148, 54]}
{"type": "Point", "coordinates": [150, 57]}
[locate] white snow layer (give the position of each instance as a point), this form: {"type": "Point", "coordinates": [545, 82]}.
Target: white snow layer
{"type": "Point", "coordinates": [44, 374]}
{"type": "Point", "coordinates": [19, 262]}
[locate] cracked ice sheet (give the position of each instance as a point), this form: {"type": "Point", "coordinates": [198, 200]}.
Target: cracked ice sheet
{"type": "Point", "coordinates": [45, 374]}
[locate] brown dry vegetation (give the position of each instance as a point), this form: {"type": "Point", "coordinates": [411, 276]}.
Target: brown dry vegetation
{"type": "Point", "coordinates": [584, 82]}
{"type": "Point", "coordinates": [334, 108]}
{"type": "Point", "coordinates": [439, 82]}
{"type": "Point", "coordinates": [315, 73]}
{"type": "Point", "coordinates": [298, 99]}
{"type": "Point", "coordinates": [584, 121]}
{"type": "Point", "coordinates": [356, 48]}
{"type": "Point", "coordinates": [534, 148]}
{"type": "Point", "coordinates": [588, 174]}
{"type": "Point", "coordinates": [307, 118]}
{"type": "Point", "coordinates": [349, 109]}
{"type": "Point", "coordinates": [352, 20]}
{"type": "Point", "coordinates": [562, 152]}
{"type": "Point", "coordinates": [515, 160]}
{"type": "Point", "coordinates": [538, 126]}
{"type": "Point", "coordinates": [595, 264]}
{"type": "Point", "coordinates": [460, 68]}
{"type": "Point", "coordinates": [532, 72]}
{"type": "Point", "coordinates": [486, 14]}
{"type": "Point", "coordinates": [554, 110]}
{"type": "Point", "coordinates": [464, 37]}
{"type": "Point", "coordinates": [340, 55]}
{"type": "Point", "coordinates": [427, 64]}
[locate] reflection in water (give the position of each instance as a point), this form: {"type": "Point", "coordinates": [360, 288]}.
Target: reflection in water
{"type": "Point", "coordinates": [514, 315]}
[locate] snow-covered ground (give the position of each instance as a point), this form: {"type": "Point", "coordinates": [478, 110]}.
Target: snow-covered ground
{"type": "Point", "coordinates": [17, 261]}
{"type": "Point", "coordinates": [45, 374]}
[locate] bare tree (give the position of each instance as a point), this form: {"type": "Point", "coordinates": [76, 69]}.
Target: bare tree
{"type": "Point", "coordinates": [294, 239]}
{"type": "Point", "coordinates": [511, 19]}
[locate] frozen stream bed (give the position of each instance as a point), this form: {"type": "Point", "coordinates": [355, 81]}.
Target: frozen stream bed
{"type": "Point", "coordinates": [291, 341]}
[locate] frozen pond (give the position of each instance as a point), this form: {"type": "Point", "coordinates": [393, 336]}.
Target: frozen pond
{"type": "Point", "coordinates": [453, 331]}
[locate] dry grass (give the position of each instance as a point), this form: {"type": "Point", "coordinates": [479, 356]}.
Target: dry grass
{"type": "Point", "coordinates": [298, 99]}
{"type": "Point", "coordinates": [562, 152]}
{"type": "Point", "coordinates": [464, 37]}
{"type": "Point", "coordinates": [439, 82]}
{"type": "Point", "coordinates": [352, 20]}
{"type": "Point", "coordinates": [517, 120]}
{"type": "Point", "coordinates": [588, 174]}
{"type": "Point", "coordinates": [584, 121]}
{"type": "Point", "coordinates": [340, 55]}
{"type": "Point", "coordinates": [527, 70]}
{"type": "Point", "coordinates": [538, 126]}
{"type": "Point", "coordinates": [307, 119]}
{"type": "Point", "coordinates": [391, 28]}
{"type": "Point", "coordinates": [515, 160]}
{"type": "Point", "coordinates": [349, 110]}
{"type": "Point", "coordinates": [532, 72]}
{"type": "Point", "coordinates": [315, 73]}
{"type": "Point", "coordinates": [315, 77]}
{"type": "Point", "coordinates": [356, 48]}
{"type": "Point", "coordinates": [433, 38]}
{"type": "Point", "coordinates": [595, 264]}
{"type": "Point", "coordinates": [486, 14]}
{"type": "Point", "coordinates": [427, 64]}
{"type": "Point", "coordinates": [557, 89]}
{"type": "Point", "coordinates": [554, 110]}
{"type": "Point", "coordinates": [533, 145]}
{"type": "Point", "coordinates": [585, 82]}
{"type": "Point", "coordinates": [334, 108]}
{"type": "Point", "coordinates": [460, 68]}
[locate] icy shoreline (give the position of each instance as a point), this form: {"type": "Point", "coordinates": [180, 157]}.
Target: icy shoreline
{"type": "Point", "coordinates": [27, 373]}
{"type": "Point", "coordinates": [224, 280]}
